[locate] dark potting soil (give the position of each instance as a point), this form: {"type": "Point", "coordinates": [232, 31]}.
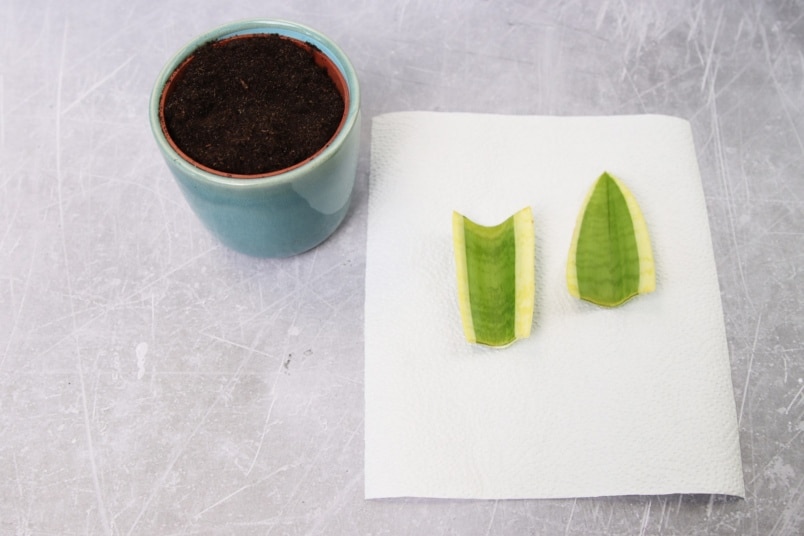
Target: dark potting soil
{"type": "Point", "coordinates": [252, 105]}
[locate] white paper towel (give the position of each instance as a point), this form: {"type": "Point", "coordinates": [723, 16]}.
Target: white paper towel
{"type": "Point", "coordinates": [632, 400]}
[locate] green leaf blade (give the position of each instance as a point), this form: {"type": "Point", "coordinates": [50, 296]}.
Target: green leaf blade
{"type": "Point", "coordinates": [611, 259]}
{"type": "Point", "coordinates": [496, 279]}
{"type": "Point", "coordinates": [492, 281]}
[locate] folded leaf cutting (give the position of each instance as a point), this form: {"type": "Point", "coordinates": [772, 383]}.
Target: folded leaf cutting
{"type": "Point", "coordinates": [496, 279]}
{"type": "Point", "coordinates": [610, 259]}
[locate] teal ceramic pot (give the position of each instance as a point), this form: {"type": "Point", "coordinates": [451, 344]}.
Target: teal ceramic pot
{"type": "Point", "coordinates": [285, 212]}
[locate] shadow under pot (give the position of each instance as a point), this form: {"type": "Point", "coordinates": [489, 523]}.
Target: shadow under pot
{"type": "Point", "coordinates": [259, 123]}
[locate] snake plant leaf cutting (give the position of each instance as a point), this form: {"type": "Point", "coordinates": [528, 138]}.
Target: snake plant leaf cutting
{"type": "Point", "coordinates": [610, 259]}
{"type": "Point", "coordinates": [496, 278]}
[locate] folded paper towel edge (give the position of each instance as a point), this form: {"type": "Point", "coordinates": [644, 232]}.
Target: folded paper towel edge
{"type": "Point", "coordinates": [419, 113]}
{"type": "Point", "coordinates": [372, 495]}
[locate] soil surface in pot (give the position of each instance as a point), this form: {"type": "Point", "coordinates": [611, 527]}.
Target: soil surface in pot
{"type": "Point", "coordinates": [252, 105]}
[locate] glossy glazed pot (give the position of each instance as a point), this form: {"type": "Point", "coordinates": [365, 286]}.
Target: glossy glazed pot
{"type": "Point", "coordinates": [281, 213]}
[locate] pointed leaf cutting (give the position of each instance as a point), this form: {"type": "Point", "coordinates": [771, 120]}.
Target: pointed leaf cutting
{"type": "Point", "coordinates": [496, 279]}
{"type": "Point", "coordinates": [610, 259]}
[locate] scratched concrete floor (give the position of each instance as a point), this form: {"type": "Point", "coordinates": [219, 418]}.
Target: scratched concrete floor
{"type": "Point", "coordinates": [153, 382]}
